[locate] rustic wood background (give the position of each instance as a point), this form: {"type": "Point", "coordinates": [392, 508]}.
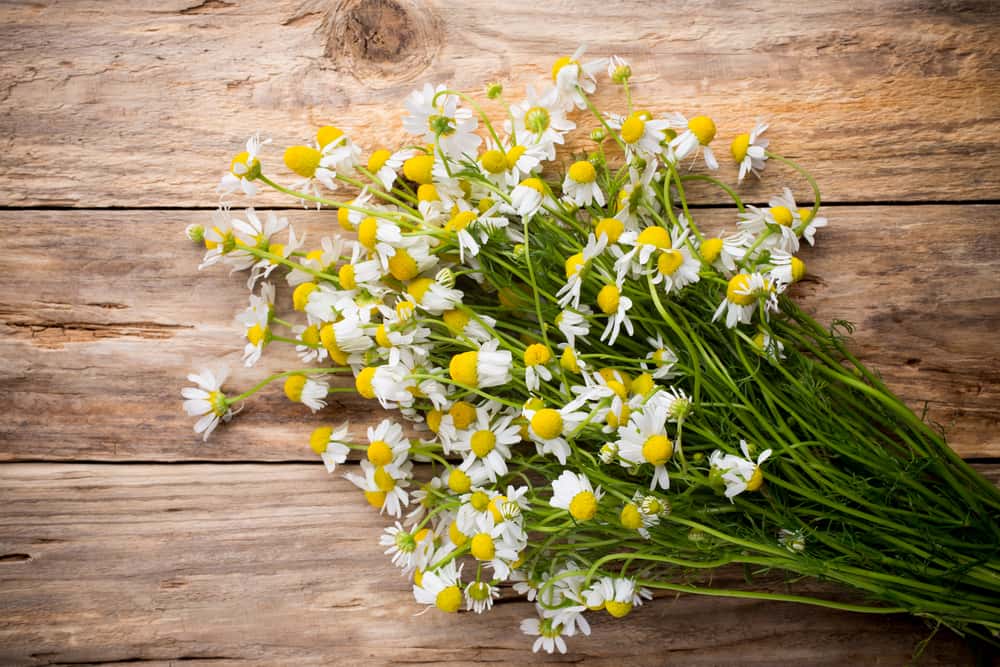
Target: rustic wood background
{"type": "Point", "coordinates": [125, 539]}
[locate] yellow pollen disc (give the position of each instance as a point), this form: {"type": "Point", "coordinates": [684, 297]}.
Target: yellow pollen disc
{"type": "Point", "coordinates": [381, 337]}
{"type": "Point", "coordinates": [740, 146]}
{"type": "Point", "coordinates": [798, 269]}
{"type": "Point", "coordinates": [494, 506]}
{"type": "Point", "coordinates": [610, 227]}
{"type": "Point", "coordinates": [559, 64]}
{"type": "Point", "coordinates": [241, 158]}
{"type": "Point", "coordinates": [293, 387]}
{"type": "Point", "coordinates": [418, 168]}
{"type": "Point", "coordinates": [514, 154]}
{"type": "Point", "coordinates": [568, 360]}
{"type": "Point", "coordinates": [344, 220]}
{"type": "Point", "coordinates": [655, 236]}
{"type": "Point", "coordinates": [609, 374]}
{"type": "Point", "coordinates": [573, 264]}
{"type": "Point", "coordinates": [315, 255]}
{"type": "Point", "coordinates": [434, 420]}
{"type": "Point", "coordinates": [421, 535]}
{"type": "Point", "coordinates": [456, 536]}
{"type": "Point", "coordinates": [328, 338]}
{"type": "Point", "coordinates": [460, 221]}
{"type": "Point", "coordinates": [632, 129]}
{"type": "Point", "coordinates": [642, 384]}
{"type": "Point", "coordinates": [583, 507]}
{"type": "Point", "coordinates": [462, 414]}
{"type": "Point", "coordinates": [608, 299]}
{"type": "Point", "coordinates": [418, 577]}
{"type": "Point", "coordinates": [300, 297]}
{"type": "Point", "coordinates": [418, 288]}
{"type": "Point", "coordinates": [310, 335]}
{"type": "Point", "coordinates": [402, 266]}
{"type": "Point", "coordinates": [781, 215]}
{"type": "Point", "coordinates": [618, 388]}
{"type": "Point", "coordinates": [535, 184]}
{"type": "Point", "coordinates": [428, 192]}
{"type": "Point", "coordinates": [630, 517]}
{"type": "Point", "coordinates": [449, 599]}
{"type": "Point", "coordinates": [375, 498]}
{"type": "Point", "coordinates": [404, 310]}
{"type": "Point", "coordinates": [482, 442]}
{"type": "Point", "coordinates": [464, 368]}
{"type": "Point", "coordinates": [277, 249]}
{"type": "Point", "coordinates": [479, 501]}
{"type": "Point", "coordinates": [363, 382]}
{"type": "Point", "coordinates": [758, 340]}
{"type": "Point", "coordinates": [303, 160]}
{"type": "Point", "coordinates": [378, 159]}
{"type": "Point", "coordinates": [710, 249]}
{"type": "Point", "coordinates": [537, 354]}
{"type": "Point", "coordinates": [618, 609]}
{"type": "Point", "coordinates": [383, 480]}
{"type": "Point", "coordinates": [482, 547]}
{"type": "Point", "coordinates": [485, 204]}
{"type": "Point", "coordinates": [346, 276]}
{"type": "Point", "coordinates": [582, 172]}
{"type": "Point", "coordinates": [328, 134]}
{"type": "Point", "coordinates": [255, 334]}
{"type": "Point", "coordinates": [494, 161]}
{"type": "Point", "coordinates": [379, 453]}
{"type": "Point", "coordinates": [806, 214]}
{"type": "Point", "coordinates": [614, 420]}
{"type": "Point", "coordinates": [669, 261]}
{"type": "Point", "coordinates": [703, 127]}
{"type": "Point", "coordinates": [547, 423]}
{"type": "Point", "coordinates": [455, 320]}
{"type": "Point", "coordinates": [739, 283]}
{"type": "Point", "coordinates": [459, 481]}
{"type": "Point", "coordinates": [756, 480]}
{"type": "Point", "coordinates": [367, 231]}
{"type": "Point", "coordinates": [657, 449]}
{"type": "Point", "coordinates": [319, 439]}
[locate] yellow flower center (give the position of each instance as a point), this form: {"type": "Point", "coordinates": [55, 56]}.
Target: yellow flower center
{"type": "Point", "coordinates": [559, 64]}
{"type": "Point", "coordinates": [482, 442]}
{"type": "Point", "coordinates": [537, 354]}
{"type": "Point", "coordinates": [379, 453]}
{"type": "Point", "coordinates": [582, 172]}
{"type": "Point", "coordinates": [402, 266]}
{"type": "Point", "coordinates": [241, 158]}
{"type": "Point", "coordinates": [346, 276]}
{"type": "Point", "coordinates": [485, 204]}
{"type": "Point", "coordinates": [455, 320]}
{"type": "Point", "coordinates": [378, 159]}
{"type": "Point", "coordinates": [703, 127]}
{"type": "Point", "coordinates": [418, 168]}
{"type": "Point", "coordinates": [583, 507]}
{"type": "Point", "coordinates": [494, 161]}
{"type": "Point", "coordinates": [255, 334]}
{"type": "Point", "coordinates": [418, 288]}
{"type": "Point", "coordinates": [633, 128]}
{"type": "Point", "coordinates": [319, 439]}
{"type": "Point", "coordinates": [462, 414]}
{"type": "Point", "coordinates": [514, 154]}
{"type": "Point", "coordinates": [756, 479]}
{"type": "Point", "coordinates": [375, 498]}
{"type": "Point", "coordinates": [344, 219]}
{"type": "Point", "coordinates": [782, 215]}
{"type": "Point", "coordinates": [303, 160]}
{"type": "Point", "coordinates": [643, 384]}
{"type": "Point", "coordinates": [428, 192]}
{"type": "Point", "coordinates": [630, 517]}
{"type": "Point", "coordinates": [367, 231]}
{"type": "Point", "coordinates": [482, 547]}
{"type": "Point", "coordinates": [618, 609]}
{"type": "Point", "coordinates": [798, 269]}
{"type": "Point", "coordinates": [608, 299]}
{"type": "Point", "coordinates": [547, 423]}
{"type": "Point", "coordinates": [327, 135]}
{"type": "Point", "coordinates": [669, 261]}
{"type": "Point", "coordinates": [657, 449]}
{"type": "Point", "coordinates": [573, 264]}
{"type": "Point", "coordinates": [740, 146]}
{"type": "Point", "coordinates": [737, 284]}
{"type": "Point", "coordinates": [310, 335]}
{"type": "Point", "coordinates": [610, 227]}
{"type": "Point", "coordinates": [460, 221]}
{"type": "Point", "coordinates": [806, 214]}
{"type": "Point", "coordinates": [293, 387]}
{"type": "Point", "coordinates": [459, 481]}
{"type": "Point", "coordinates": [479, 501]}
{"type": "Point", "coordinates": [382, 337]}
{"type": "Point", "coordinates": [568, 360]}
{"type": "Point", "coordinates": [655, 236]}
{"type": "Point", "coordinates": [300, 297]}
{"type": "Point", "coordinates": [464, 368]}
{"type": "Point", "coordinates": [456, 536]}
{"type": "Point", "coordinates": [711, 249]}
{"type": "Point", "coordinates": [496, 502]}
{"type": "Point", "coordinates": [363, 382]}
{"type": "Point", "coordinates": [618, 388]}
{"type": "Point", "coordinates": [535, 184]}
{"type": "Point", "coordinates": [383, 480]}
{"type": "Point", "coordinates": [449, 599]}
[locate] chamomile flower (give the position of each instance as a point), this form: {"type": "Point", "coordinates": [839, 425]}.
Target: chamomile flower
{"type": "Point", "coordinates": [529, 196]}
{"type": "Point", "coordinates": [536, 358]}
{"type": "Point", "coordinates": [385, 165]}
{"type": "Point", "coordinates": [441, 588]}
{"type": "Point", "coordinates": [660, 360]}
{"type": "Point", "coordinates": [437, 118]}
{"type": "Point", "coordinates": [641, 133]}
{"type": "Point", "coordinates": [770, 347]}
{"type": "Point", "coordinates": [309, 391]}
{"type": "Point", "coordinates": [253, 233]}
{"type": "Point", "coordinates": [338, 154]}
{"type": "Point", "coordinates": [695, 134]}
{"type": "Point", "coordinates": [811, 223]}
{"type": "Point", "coordinates": [743, 294]}
{"type": "Point", "coordinates": [779, 217]}
{"type": "Point", "coordinates": [786, 268]}
{"type": "Point", "coordinates": [576, 269]}
{"type": "Point", "coordinates": [548, 631]}
{"type": "Point", "coordinates": [547, 428]}
{"type": "Point", "coordinates": [474, 329]}
{"type": "Point", "coordinates": [573, 324]}
{"type": "Point", "coordinates": [580, 185]}
{"type": "Point", "coordinates": [644, 440]}
{"type": "Point", "coordinates": [486, 367]}
{"type": "Point", "coordinates": [244, 169]}
{"type": "Point", "coordinates": [750, 151]}
{"type": "Point", "coordinates": [488, 440]}
{"type": "Point", "coordinates": [219, 239]}
{"type": "Point", "coordinates": [384, 486]}
{"type": "Point", "coordinates": [616, 595]}
{"type": "Point", "coordinates": [539, 123]}
{"type": "Point", "coordinates": [330, 252]}
{"type": "Point", "coordinates": [569, 77]}
{"type": "Point", "coordinates": [206, 401]}
{"type": "Point", "coordinates": [479, 596]}
{"type": "Point", "coordinates": [723, 253]}
{"type": "Point", "coordinates": [309, 347]}
{"type": "Point", "coordinates": [331, 444]}
{"type": "Point", "coordinates": [615, 305]}
{"type": "Point", "coordinates": [432, 296]}
{"type": "Point", "coordinates": [403, 546]}
{"type": "Point", "coordinates": [380, 238]}
{"type": "Point", "coordinates": [739, 473]}
{"type": "Point", "coordinates": [491, 546]}
{"type": "Point", "coordinates": [574, 493]}
{"type": "Point", "coordinates": [254, 321]}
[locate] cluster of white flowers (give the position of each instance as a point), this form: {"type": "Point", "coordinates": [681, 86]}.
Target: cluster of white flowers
{"type": "Point", "coordinates": [495, 309]}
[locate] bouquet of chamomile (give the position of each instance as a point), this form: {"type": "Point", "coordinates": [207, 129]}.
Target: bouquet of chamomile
{"type": "Point", "coordinates": [598, 398]}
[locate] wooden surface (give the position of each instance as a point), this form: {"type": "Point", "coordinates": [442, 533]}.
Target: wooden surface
{"type": "Point", "coordinates": [123, 538]}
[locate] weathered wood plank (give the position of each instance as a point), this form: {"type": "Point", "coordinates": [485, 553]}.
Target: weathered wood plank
{"type": "Point", "coordinates": [144, 102]}
{"type": "Point", "coordinates": [105, 313]}
{"type": "Point", "coordinates": [280, 564]}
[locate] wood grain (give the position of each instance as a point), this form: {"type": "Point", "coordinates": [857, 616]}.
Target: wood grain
{"type": "Point", "coordinates": [144, 102]}
{"type": "Point", "coordinates": [105, 314]}
{"type": "Point", "coordinates": [230, 564]}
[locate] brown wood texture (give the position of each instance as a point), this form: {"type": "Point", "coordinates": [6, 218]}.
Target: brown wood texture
{"type": "Point", "coordinates": [144, 102]}
{"type": "Point", "coordinates": [124, 539]}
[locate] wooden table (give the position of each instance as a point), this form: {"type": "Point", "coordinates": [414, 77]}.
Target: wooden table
{"type": "Point", "coordinates": [125, 539]}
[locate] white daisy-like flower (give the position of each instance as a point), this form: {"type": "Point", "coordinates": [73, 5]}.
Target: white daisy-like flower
{"type": "Point", "coordinates": [384, 486]}
{"type": "Point", "coordinates": [615, 305]}
{"type": "Point", "coordinates": [580, 185]}
{"type": "Point", "coordinates": [574, 493]}
{"type": "Point", "coordinates": [616, 595]}
{"type": "Point", "coordinates": [219, 239]}
{"type": "Point", "coordinates": [441, 120]}
{"type": "Point", "coordinates": [331, 444]}
{"type": "Point", "coordinates": [769, 346]}
{"type": "Point", "coordinates": [576, 268]}
{"type": "Point", "coordinates": [661, 359]}
{"type": "Point", "coordinates": [536, 358]}
{"type": "Point", "coordinates": [441, 588]}
{"type": "Point", "coordinates": [743, 294]}
{"type": "Point", "coordinates": [254, 323]}
{"type": "Point", "coordinates": [490, 545]}
{"type": "Point", "coordinates": [750, 151]}
{"type": "Point", "coordinates": [479, 596]}
{"type": "Point", "coordinates": [432, 296]}
{"type": "Point", "coordinates": [786, 268]}
{"type": "Point", "coordinates": [254, 233]}
{"type": "Point", "coordinates": [811, 223]}
{"type": "Point", "coordinates": [780, 216]}
{"type": "Point", "coordinates": [309, 348]}
{"type": "Point", "coordinates": [573, 324]}
{"type": "Point", "coordinates": [402, 545]}
{"type": "Point", "coordinates": [644, 440]}
{"type": "Point", "coordinates": [695, 134]}
{"type": "Point", "coordinates": [488, 440]}
{"type": "Point", "coordinates": [486, 367]}
{"type": "Point", "coordinates": [642, 134]}
{"type": "Point", "coordinates": [244, 169]}
{"type": "Point", "coordinates": [206, 401]}
{"type": "Point", "coordinates": [340, 155]}
{"type": "Point", "coordinates": [539, 123]}
{"type": "Point", "coordinates": [385, 165]}
{"type": "Point", "coordinates": [380, 238]}
{"type": "Point", "coordinates": [548, 631]}
{"type": "Point", "coordinates": [310, 391]}
{"type": "Point", "coordinates": [547, 428]}
{"type": "Point", "coordinates": [739, 473]}
{"type": "Point", "coordinates": [723, 253]}
{"type": "Point", "coordinates": [528, 197]}
{"type": "Point", "coordinates": [570, 77]}
{"type": "Point", "coordinates": [331, 251]}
